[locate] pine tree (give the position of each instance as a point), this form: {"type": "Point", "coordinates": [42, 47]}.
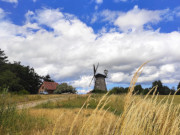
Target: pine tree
{"type": "Point", "coordinates": [47, 78]}
{"type": "Point", "coordinates": [3, 57]}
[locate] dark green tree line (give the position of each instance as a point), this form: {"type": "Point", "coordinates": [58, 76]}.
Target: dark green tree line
{"type": "Point", "coordinates": [161, 89]}
{"type": "Point", "coordinates": [18, 77]}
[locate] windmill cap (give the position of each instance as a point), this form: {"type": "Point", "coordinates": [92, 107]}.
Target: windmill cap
{"type": "Point", "coordinates": [100, 75]}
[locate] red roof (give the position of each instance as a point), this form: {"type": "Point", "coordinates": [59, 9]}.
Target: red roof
{"type": "Point", "coordinates": [50, 85]}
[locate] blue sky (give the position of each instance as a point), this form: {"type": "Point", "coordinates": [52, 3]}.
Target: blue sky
{"type": "Point", "coordinates": [84, 9]}
{"type": "Point", "coordinates": [65, 37]}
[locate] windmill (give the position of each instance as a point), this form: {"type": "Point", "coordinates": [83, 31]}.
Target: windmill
{"type": "Point", "coordinates": [99, 79]}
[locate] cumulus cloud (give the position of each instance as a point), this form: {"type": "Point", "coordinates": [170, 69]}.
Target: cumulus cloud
{"type": "Point", "coordinates": [120, 77]}
{"type": "Point", "coordinates": [10, 1]}
{"type": "Point", "coordinates": [137, 18]}
{"type": "Point", "coordinates": [84, 81]}
{"type": "Point", "coordinates": [60, 44]}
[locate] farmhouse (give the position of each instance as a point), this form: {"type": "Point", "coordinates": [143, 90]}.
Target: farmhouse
{"type": "Point", "coordinates": [48, 87]}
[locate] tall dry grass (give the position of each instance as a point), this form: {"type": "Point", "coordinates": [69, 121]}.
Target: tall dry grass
{"type": "Point", "coordinates": [20, 99]}
{"type": "Point", "coordinates": [14, 121]}
{"type": "Point", "coordinates": [141, 116]}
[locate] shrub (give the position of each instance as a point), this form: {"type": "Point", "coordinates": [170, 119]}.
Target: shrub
{"type": "Point", "coordinates": [65, 88]}
{"type": "Point", "coordinates": [23, 92]}
{"type": "Point", "coordinates": [98, 91]}
{"type": "Point", "coordinates": [117, 90]}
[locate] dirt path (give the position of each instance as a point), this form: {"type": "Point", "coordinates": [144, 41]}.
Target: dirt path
{"type": "Point", "coordinates": [34, 103]}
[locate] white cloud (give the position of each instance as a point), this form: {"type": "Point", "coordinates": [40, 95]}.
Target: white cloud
{"type": "Point", "coordinates": [94, 18]}
{"type": "Point", "coordinates": [99, 1]}
{"type": "Point", "coordinates": [84, 82]}
{"type": "Point", "coordinates": [168, 68]}
{"type": "Point", "coordinates": [84, 91]}
{"type": "Point", "coordinates": [105, 15]}
{"type": "Point", "coordinates": [120, 77]}
{"type": "Point", "coordinates": [10, 1]}
{"type": "Point", "coordinates": [69, 49]}
{"type": "Point", "coordinates": [137, 18]}
{"type": "Point", "coordinates": [2, 14]}
{"type": "Point", "coordinates": [133, 20]}
{"type": "Point", "coordinates": [149, 78]}
{"type": "Point", "coordinates": [170, 81]}
{"type": "Point", "coordinates": [109, 15]}
{"type": "Point", "coordinates": [177, 11]}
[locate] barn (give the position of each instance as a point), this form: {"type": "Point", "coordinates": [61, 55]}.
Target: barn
{"type": "Point", "coordinates": [48, 87]}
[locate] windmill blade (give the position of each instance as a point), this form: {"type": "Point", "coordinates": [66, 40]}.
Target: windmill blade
{"type": "Point", "coordinates": [96, 68]}
{"type": "Point", "coordinates": [91, 81]}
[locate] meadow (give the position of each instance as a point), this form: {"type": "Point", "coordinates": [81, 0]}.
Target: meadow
{"type": "Point", "coordinates": [95, 114]}
{"type": "Point", "coordinates": [20, 99]}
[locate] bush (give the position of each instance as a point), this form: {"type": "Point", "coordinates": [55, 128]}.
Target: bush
{"type": "Point", "coordinates": [65, 88]}
{"type": "Point", "coordinates": [98, 91]}
{"type": "Point", "coordinates": [118, 90]}
{"type": "Point", "coordinates": [23, 92]}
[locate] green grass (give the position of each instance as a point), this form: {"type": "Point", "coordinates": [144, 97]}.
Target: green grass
{"type": "Point", "coordinates": [15, 98]}
{"type": "Point", "coordinates": [13, 121]}
{"type": "Point", "coordinates": [115, 105]}
{"type": "Point", "coordinates": [20, 99]}
{"type": "Point", "coordinates": [165, 98]}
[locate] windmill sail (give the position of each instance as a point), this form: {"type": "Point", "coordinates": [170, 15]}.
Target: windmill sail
{"type": "Point", "coordinates": [94, 69]}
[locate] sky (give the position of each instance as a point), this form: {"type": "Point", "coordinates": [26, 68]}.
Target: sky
{"type": "Point", "coordinates": [64, 38]}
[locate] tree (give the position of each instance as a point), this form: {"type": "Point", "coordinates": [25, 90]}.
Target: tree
{"type": "Point", "coordinates": [3, 57]}
{"type": "Point", "coordinates": [145, 91]}
{"type": "Point", "coordinates": [117, 90]}
{"type": "Point", "coordinates": [138, 89]}
{"type": "Point", "coordinates": [65, 88]}
{"type": "Point", "coordinates": [167, 90]}
{"type": "Point", "coordinates": [47, 78]}
{"type": "Point", "coordinates": [18, 77]}
{"type": "Point", "coordinates": [178, 88]}
{"type": "Point", "coordinates": [159, 85]}
{"type": "Point", "coordinates": [9, 80]}
{"type": "Point", "coordinates": [172, 90]}
{"type": "Point", "coordinates": [126, 90]}
{"type": "Point", "coordinates": [29, 79]}
{"type": "Point", "coordinates": [3, 61]}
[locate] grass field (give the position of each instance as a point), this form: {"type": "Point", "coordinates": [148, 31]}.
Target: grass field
{"type": "Point", "coordinates": [106, 120]}
{"type": "Point", "coordinates": [57, 117]}
{"type": "Point", "coordinates": [95, 115]}
{"type": "Point", "coordinates": [115, 103]}
{"type": "Point", "coordinates": [18, 99]}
